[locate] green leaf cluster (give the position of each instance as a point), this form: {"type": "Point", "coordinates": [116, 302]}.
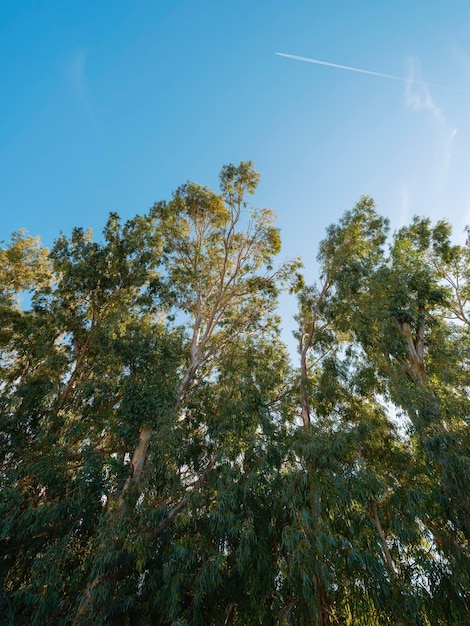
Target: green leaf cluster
{"type": "Point", "coordinates": [163, 462]}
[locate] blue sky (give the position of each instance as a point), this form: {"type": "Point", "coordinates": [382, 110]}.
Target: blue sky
{"type": "Point", "coordinates": [109, 106]}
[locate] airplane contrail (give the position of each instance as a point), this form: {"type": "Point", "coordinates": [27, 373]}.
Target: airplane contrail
{"type": "Point", "coordinates": [357, 69]}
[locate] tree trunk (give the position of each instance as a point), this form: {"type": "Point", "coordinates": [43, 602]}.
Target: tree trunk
{"type": "Point", "coordinates": [383, 539]}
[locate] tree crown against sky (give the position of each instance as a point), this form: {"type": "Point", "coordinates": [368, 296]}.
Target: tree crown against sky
{"type": "Point", "coordinates": [164, 462]}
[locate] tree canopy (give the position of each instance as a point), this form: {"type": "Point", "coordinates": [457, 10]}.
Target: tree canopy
{"type": "Point", "coordinates": [164, 462]}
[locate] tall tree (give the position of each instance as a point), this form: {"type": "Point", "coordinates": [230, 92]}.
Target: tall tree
{"type": "Point", "coordinates": [163, 463]}
{"type": "Point", "coordinates": [396, 309]}
{"type": "Point", "coordinates": [109, 364]}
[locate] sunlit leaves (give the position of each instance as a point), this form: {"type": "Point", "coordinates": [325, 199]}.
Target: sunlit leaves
{"type": "Point", "coordinates": [261, 495]}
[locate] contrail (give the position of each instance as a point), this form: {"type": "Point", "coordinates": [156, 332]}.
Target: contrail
{"type": "Point", "coordinates": [357, 69]}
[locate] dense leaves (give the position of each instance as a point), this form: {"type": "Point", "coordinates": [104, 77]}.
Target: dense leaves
{"type": "Point", "coordinates": [162, 462]}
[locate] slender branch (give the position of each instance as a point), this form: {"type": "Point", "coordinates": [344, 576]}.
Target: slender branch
{"type": "Point", "coordinates": [383, 539]}
{"type": "Point", "coordinates": [183, 503]}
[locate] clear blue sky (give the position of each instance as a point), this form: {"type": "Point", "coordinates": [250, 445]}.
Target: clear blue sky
{"type": "Point", "coordinates": [109, 106]}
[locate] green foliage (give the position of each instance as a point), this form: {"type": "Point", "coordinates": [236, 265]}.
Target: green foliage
{"type": "Point", "coordinates": [163, 463]}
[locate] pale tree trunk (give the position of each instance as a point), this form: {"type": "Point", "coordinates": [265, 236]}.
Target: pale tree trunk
{"type": "Point", "coordinates": [383, 540]}
{"type": "Point", "coordinates": [138, 458]}
{"type": "Point", "coordinates": [304, 403]}
{"type": "Point", "coordinates": [415, 351]}
{"type": "Point", "coordinates": [308, 331]}
{"type": "Point", "coordinates": [307, 335]}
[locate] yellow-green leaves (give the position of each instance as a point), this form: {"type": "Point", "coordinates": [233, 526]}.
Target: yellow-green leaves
{"type": "Point", "coordinates": [24, 265]}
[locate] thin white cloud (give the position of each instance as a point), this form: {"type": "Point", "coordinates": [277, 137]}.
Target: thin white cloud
{"type": "Point", "coordinates": [418, 96]}
{"type": "Point", "coordinates": [76, 72]}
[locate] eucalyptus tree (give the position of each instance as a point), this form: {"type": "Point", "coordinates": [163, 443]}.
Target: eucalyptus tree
{"type": "Point", "coordinates": [162, 462]}
{"type": "Point", "coordinates": [106, 442]}
{"type": "Point", "coordinates": [334, 539]}
{"type": "Point", "coordinates": [400, 318]}
{"type": "Point", "coordinates": [218, 280]}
